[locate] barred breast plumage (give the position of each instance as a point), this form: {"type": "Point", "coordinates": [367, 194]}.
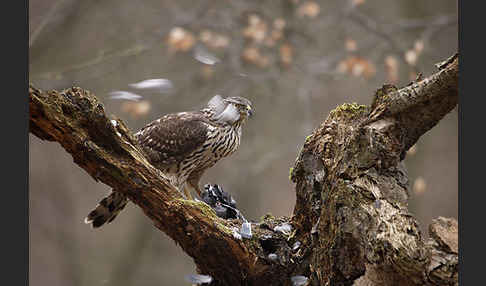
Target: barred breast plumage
{"type": "Point", "coordinates": [221, 142]}
{"type": "Point", "coordinates": [183, 146]}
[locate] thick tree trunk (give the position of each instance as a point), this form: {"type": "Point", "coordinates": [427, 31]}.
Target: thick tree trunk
{"type": "Point", "coordinates": [350, 224]}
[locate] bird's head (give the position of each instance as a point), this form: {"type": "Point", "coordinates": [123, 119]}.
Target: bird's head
{"type": "Point", "coordinates": [242, 104]}
{"type": "Point", "coordinates": [230, 110]}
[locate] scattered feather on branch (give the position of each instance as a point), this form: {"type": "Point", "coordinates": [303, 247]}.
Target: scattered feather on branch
{"type": "Point", "coordinates": [198, 279]}
{"type": "Point", "coordinates": [125, 95]}
{"type": "Point", "coordinates": [157, 84]}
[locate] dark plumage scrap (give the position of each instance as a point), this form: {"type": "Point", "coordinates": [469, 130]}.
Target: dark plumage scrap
{"type": "Point", "coordinates": [222, 202]}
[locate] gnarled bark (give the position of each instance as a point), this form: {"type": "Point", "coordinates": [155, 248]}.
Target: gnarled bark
{"type": "Point", "coordinates": [350, 223]}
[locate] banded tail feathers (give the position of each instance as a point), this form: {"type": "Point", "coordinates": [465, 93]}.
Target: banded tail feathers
{"type": "Point", "coordinates": [107, 209]}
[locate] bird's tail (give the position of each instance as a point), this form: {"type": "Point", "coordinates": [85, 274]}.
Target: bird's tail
{"type": "Point", "coordinates": [107, 209]}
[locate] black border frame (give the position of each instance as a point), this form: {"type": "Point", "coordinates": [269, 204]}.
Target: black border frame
{"type": "Point", "coordinates": [15, 206]}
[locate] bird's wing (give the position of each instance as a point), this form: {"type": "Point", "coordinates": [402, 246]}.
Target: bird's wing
{"type": "Point", "coordinates": [173, 137]}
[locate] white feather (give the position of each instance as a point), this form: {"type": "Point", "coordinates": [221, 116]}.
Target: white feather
{"type": "Point", "coordinates": [160, 84]}
{"type": "Point", "coordinates": [124, 95]}
{"type": "Point", "coordinates": [217, 104]}
{"type": "Point", "coordinates": [205, 57]}
{"type": "Point", "coordinates": [229, 115]}
{"type": "Point", "coordinates": [198, 279]}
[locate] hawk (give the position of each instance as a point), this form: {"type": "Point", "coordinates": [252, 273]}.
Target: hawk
{"type": "Point", "coordinates": [183, 146]}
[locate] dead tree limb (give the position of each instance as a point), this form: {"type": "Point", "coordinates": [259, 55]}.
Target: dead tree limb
{"type": "Point", "coordinates": [352, 189]}
{"type": "Point", "coordinates": [350, 224]}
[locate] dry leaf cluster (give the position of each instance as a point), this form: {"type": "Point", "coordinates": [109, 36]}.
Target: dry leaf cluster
{"type": "Point", "coordinates": [214, 40]}
{"type": "Point", "coordinates": [411, 56]}
{"type": "Point", "coordinates": [391, 69]}
{"type": "Point", "coordinates": [308, 9]}
{"type": "Point", "coordinates": [180, 40]}
{"type": "Point", "coordinates": [261, 37]}
{"type": "Point", "coordinates": [254, 56]}
{"type": "Point", "coordinates": [357, 66]}
{"type": "Point", "coordinates": [256, 29]}
{"type": "Point", "coordinates": [351, 45]}
{"type": "Point", "coordinates": [286, 53]}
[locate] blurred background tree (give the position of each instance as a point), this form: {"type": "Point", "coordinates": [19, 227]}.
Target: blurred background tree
{"type": "Point", "coordinates": [296, 60]}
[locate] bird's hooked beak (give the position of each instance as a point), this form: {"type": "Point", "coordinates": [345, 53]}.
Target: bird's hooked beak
{"type": "Point", "coordinates": [249, 111]}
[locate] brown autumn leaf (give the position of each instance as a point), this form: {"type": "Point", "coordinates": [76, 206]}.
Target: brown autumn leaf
{"type": "Point", "coordinates": [356, 66]}
{"type": "Point", "coordinates": [391, 69]}
{"type": "Point", "coordinates": [252, 55]}
{"type": "Point", "coordinates": [351, 45]}
{"type": "Point", "coordinates": [214, 40]}
{"type": "Point", "coordinates": [308, 9]}
{"type": "Point", "coordinates": [180, 40]}
{"type": "Point", "coordinates": [286, 54]}
{"type": "Point", "coordinates": [277, 32]}
{"type": "Point", "coordinates": [418, 46]}
{"type": "Point", "coordinates": [256, 29]}
{"type": "Point", "coordinates": [411, 57]}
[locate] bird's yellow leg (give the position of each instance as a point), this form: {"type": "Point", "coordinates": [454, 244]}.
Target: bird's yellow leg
{"type": "Point", "coordinates": [187, 192]}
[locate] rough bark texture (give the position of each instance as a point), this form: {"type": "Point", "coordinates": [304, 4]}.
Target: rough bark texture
{"type": "Point", "coordinates": [350, 225]}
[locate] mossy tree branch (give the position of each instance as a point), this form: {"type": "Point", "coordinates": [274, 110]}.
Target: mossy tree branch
{"type": "Point", "coordinates": [350, 218]}
{"type": "Point", "coordinates": [352, 189]}
{"type": "Point", "coordinates": [107, 150]}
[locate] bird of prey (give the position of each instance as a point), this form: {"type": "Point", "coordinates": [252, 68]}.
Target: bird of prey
{"type": "Point", "coordinates": [183, 146]}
